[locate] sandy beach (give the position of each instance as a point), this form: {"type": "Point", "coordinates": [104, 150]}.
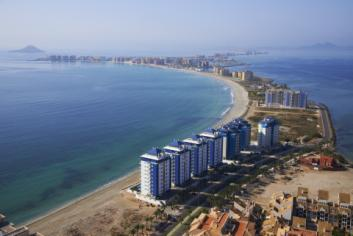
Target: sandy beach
{"type": "Point", "coordinates": [240, 104]}
{"type": "Point", "coordinates": [96, 213]}
{"type": "Point", "coordinates": [109, 199]}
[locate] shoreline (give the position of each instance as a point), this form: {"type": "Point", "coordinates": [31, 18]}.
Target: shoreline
{"type": "Point", "coordinates": [76, 208]}
{"type": "Point", "coordinates": [120, 180]}
{"type": "Point", "coordinates": [240, 99]}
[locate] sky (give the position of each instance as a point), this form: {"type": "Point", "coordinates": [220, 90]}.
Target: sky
{"type": "Point", "coordinates": [173, 25]}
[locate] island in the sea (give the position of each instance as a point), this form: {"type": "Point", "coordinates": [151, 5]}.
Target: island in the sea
{"type": "Point", "coordinates": [28, 49]}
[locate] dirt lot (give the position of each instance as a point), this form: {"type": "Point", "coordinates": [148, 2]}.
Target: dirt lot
{"type": "Point", "coordinates": [289, 181]}
{"type": "Point", "coordinates": [294, 123]}
{"type": "Point", "coordinates": [97, 213]}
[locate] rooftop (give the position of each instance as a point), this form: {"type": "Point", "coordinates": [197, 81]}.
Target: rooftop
{"type": "Point", "coordinates": [301, 232]}
{"type": "Point", "coordinates": [323, 195]}
{"type": "Point", "coordinates": [192, 140]}
{"type": "Point", "coordinates": [174, 146]}
{"type": "Point", "coordinates": [298, 222]}
{"type": "Point", "coordinates": [324, 228]}
{"type": "Point", "coordinates": [155, 154]}
{"type": "Point", "coordinates": [269, 120]}
{"type": "Point", "coordinates": [213, 223]}
{"type": "Point", "coordinates": [344, 198]}
{"type": "Point", "coordinates": [303, 192]}
{"type": "Point", "coordinates": [209, 133]}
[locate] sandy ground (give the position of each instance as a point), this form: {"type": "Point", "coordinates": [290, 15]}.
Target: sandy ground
{"type": "Point", "coordinates": [333, 181]}
{"type": "Point", "coordinates": [98, 212]}
{"type": "Point", "coordinates": [94, 214]}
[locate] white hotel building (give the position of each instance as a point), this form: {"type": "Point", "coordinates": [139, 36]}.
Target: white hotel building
{"type": "Point", "coordinates": [215, 146]}
{"type": "Point", "coordinates": [155, 173]}
{"type": "Point", "coordinates": [180, 163]}
{"type": "Point", "coordinates": [199, 154]}
{"type": "Point", "coordinates": [268, 132]}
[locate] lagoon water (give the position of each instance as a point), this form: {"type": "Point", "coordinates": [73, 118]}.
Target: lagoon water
{"type": "Point", "coordinates": [67, 129]}
{"type": "Point", "coordinates": [327, 76]}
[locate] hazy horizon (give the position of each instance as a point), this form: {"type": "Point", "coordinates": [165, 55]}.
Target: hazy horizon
{"type": "Point", "coordinates": [138, 26]}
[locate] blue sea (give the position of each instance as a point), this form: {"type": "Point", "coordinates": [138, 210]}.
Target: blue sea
{"type": "Point", "coordinates": [67, 129]}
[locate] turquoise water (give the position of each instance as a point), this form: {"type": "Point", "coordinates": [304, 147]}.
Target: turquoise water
{"type": "Point", "coordinates": [66, 129]}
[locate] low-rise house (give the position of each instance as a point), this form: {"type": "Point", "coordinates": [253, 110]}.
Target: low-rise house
{"type": "Point", "coordinates": [322, 209]}
{"type": "Point", "coordinates": [302, 232]}
{"type": "Point", "coordinates": [324, 228]}
{"type": "Point", "coordinates": [280, 215]}
{"type": "Point", "coordinates": [281, 206]}
{"type": "Point", "coordinates": [218, 222]}
{"type": "Point", "coordinates": [243, 208]}
{"type": "Point", "coordinates": [319, 162]}
{"type": "Point", "coordinates": [298, 223]}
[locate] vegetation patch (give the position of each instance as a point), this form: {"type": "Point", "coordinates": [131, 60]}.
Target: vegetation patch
{"type": "Point", "coordinates": [295, 123]}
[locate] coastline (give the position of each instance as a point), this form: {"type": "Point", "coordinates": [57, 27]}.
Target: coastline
{"type": "Point", "coordinates": [240, 104]}
{"type": "Point", "coordinates": [122, 183]}
{"type": "Point", "coordinates": [90, 203]}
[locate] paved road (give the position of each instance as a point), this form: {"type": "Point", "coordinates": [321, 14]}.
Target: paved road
{"type": "Point", "coordinates": [207, 191]}
{"type": "Point", "coordinates": [327, 133]}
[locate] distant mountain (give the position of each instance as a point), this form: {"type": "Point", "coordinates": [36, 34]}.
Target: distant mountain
{"type": "Point", "coordinates": [28, 49]}
{"type": "Point", "coordinates": [326, 45]}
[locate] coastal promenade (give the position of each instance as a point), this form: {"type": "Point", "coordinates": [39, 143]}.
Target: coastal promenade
{"type": "Point", "coordinates": [87, 210]}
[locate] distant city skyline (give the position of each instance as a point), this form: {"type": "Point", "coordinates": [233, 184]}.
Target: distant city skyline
{"type": "Point", "coordinates": [173, 25]}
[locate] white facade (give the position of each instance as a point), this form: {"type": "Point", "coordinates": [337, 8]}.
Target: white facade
{"type": "Point", "coordinates": [215, 147]}
{"type": "Point", "coordinates": [264, 136]}
{"type": "Point", "coordinates": [198, 155]}
{"type": "Point", "coordinates": [225, 146]}
{"type": "Point", "coordinates": [180, 164]}
{"type": "Point", "coordinates": [164, 177]}
{"type": "Point", "coordinates": [286, 98]}
{"type": "Point", "coordinates": [145, 178]}
{"type": "Point", "coordinates": [155, 174]}
{"type": "Point", "coordinates": [185, 167]}
{"type": "Point", "coordinates": [218, 150]}
{"type": "Point", "coordinates": [203, 156]}
{"type": "Point", "coordinates": [268, 132]}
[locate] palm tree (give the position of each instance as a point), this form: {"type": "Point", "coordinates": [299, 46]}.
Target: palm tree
{"type": "Point", "coordinates": [142, 226]}
{"type": "Point", "coordinates": [132, 231]}
{"type": "Point", "coordinates": [157, 213]}
{"type": "Point", "coordinates": [150, 219]}
{"type": "Point", "coordinates": [137, 228]}
{"type": "Point", "coordinates": [146, 221]}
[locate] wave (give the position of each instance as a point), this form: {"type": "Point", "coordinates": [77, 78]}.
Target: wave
{"type": "Point", "coordinates": [225, 112]}
{"type": "Point", "coordinates": [231, 97]}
